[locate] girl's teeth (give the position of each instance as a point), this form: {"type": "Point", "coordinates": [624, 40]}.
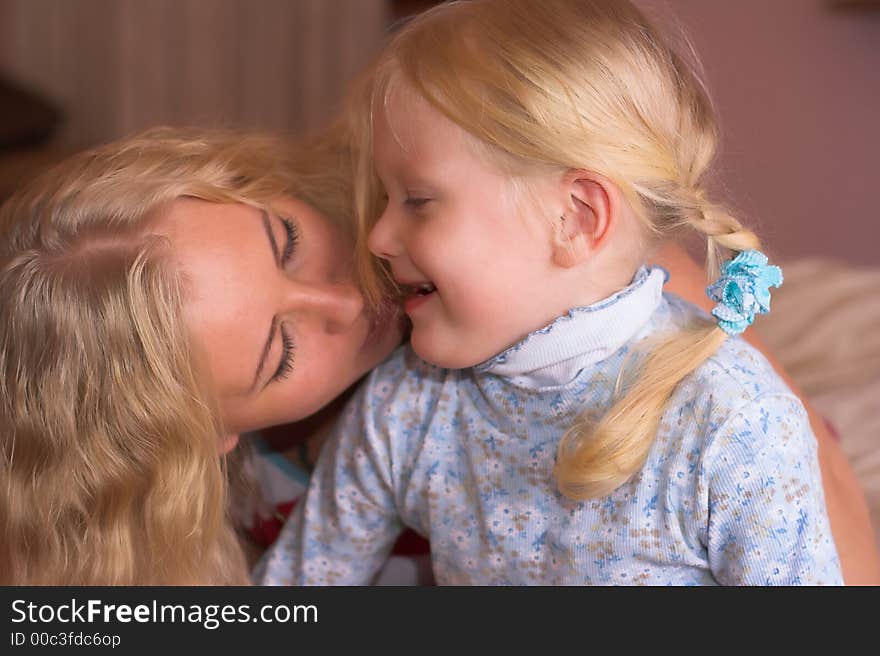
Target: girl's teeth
{"type": "Point", "coordinates": [421, 289]}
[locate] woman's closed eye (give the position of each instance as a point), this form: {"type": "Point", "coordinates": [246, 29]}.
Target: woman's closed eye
{"type": "Point", "coordinates": [291, 239]}
{"type": "Point", "coordinates": [282, 252]}
{"type": "Point", "coordinates": [285, 365]}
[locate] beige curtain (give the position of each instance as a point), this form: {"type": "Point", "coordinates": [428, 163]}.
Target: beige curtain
{"type": "Point", "coordinates": [116, 66]}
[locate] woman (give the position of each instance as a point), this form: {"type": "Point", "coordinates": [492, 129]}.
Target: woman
{"type": "Point", "coordinates": [118, 373]}
{"type": "Point", "coordinates": [163, 292]}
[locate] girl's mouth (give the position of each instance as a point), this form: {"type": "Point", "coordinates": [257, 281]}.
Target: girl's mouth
{"type": "Point", "coordinates": [416, 289]}
{"type": "Point", "coordinates": [416, 295]}
{"type": "Point", "coordinates": [424, 289]}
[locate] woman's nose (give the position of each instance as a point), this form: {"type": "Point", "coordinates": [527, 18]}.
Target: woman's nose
{"type": "Point", "coordinates": [383, 240]}
{"type": "Point", "coordinates": [339, 305]}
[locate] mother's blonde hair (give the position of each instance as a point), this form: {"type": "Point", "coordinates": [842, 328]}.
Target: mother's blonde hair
{"type": "Point", "coordinates": [560, 85]}
{"type": "Point", "coordinates": [109, 428]}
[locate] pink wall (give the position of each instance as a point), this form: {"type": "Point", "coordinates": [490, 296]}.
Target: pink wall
{"type": "Point", "coordinates": [797, 87]}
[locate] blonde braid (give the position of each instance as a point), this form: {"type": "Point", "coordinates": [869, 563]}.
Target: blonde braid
{"type": "Point", "coordinates": [721, 229]}
{"type": "Point", "coordinates": [594, 461]}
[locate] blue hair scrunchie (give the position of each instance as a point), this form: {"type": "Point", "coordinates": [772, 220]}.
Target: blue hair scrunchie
{"type": "Point", "coordinates": [743, 290]}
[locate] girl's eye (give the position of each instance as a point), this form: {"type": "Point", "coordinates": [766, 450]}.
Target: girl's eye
{"type": "Point", "coordinates": [416, 203]}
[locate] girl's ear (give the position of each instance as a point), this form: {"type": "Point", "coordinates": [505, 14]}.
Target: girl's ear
{"type": "Point", "coordinates": [591, 203]}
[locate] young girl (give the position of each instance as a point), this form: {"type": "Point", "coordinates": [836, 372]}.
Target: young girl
{"type": "Point", "coordinates": [556, 418]}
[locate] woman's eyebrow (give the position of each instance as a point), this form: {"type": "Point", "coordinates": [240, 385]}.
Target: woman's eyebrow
{"type": "Point", "coordinates": [265, 353]}
{"type": "Point", "coordinates": [271, 235]}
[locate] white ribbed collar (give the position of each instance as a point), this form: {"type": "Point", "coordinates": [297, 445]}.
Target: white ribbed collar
{"type": "Point", "coordinates": [584, 336]}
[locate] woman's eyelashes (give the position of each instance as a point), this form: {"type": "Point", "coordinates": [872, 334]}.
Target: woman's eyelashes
{"type": "Point", "coordinates": [285, 366]}
{"type": "Point", "coordinates": [292, 239]}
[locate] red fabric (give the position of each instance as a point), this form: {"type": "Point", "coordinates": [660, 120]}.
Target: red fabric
{"type": "Point", "coordinates": [264, 532]}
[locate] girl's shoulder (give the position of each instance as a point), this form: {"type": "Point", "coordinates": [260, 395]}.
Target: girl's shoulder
{"type": "Point", "coordinates": [734, 396]}
{"type": "Point", "coordinates": [736, 367]}
{"type": "Point", "coordinates": [741, 373]}
{"type": "Point", "coordinates": [742, 363]}
{"type": "Point", "coordinates": [737, 381]}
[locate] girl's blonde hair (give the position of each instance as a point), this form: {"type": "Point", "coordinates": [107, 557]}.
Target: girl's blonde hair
{"type": "Point", "coordinates": [109, 428]}
{"type": "Point", "coordinates": [572, 84]}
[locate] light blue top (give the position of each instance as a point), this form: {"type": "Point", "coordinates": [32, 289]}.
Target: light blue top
{"type": "Point", "coordinates": [730, 492]}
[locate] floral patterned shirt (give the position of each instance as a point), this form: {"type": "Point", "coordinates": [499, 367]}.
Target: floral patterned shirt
{"type": "Point", "coordinates": [730, 493]}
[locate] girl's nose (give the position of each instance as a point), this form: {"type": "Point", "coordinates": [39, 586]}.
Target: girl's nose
{"type": "Point", "coordinates": [339, 305]}
{"type": "Point", "coordinates": [383, 240]}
